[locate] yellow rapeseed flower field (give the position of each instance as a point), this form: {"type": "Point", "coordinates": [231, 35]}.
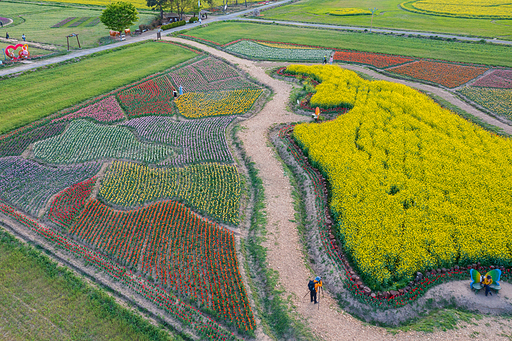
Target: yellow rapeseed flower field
{"type": "Point", "coordinates": [137, 3]}
{"type": "Point", "coordinates": [465, 8]}
{"type": "Point", "coordinates": [414, 186]}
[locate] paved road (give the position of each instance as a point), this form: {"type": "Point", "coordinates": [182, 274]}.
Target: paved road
{"type": "Point", "coordinates": [379, 30]}
{"type": "Point", "coordinates": [130, 40]}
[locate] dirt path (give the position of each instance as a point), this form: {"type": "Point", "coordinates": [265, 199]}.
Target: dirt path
{"type": "Point", "coordinates": [283, 245]}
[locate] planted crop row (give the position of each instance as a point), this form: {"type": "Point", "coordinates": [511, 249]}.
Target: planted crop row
{"type": "Point", "coordinates": [257, 51]}
{"type": "Point", "coordinates": [375, 59]}
{"type": "Point", "coordinates": [29, 185]}
{"type": "Point", "coordinates": [191, 80]}
{"type": "Point", "coordinates": [201, 104]}
{"type": "Point", "coordinates": [406, 177]}
{"type": "Point", "coordinates": [202, 140]}
{"type": "Point", "coordinates": [70, 202]}
{"type": "Point", "coordinates": [192, 257]}
{"type": "Point", "coordinates": [84, 141]}
{"type": "Point", "coordinates": [449, 75]}
{"type": "Point", "coordinates": [214, 70]}
{"type": "Point", "coordinates": [211, 188]}
{"type": "Point", "coordinates": [79, 22]}
{"type": "Point", "coordinates": [63, 22]}
{"type": "Point", "coordinates": [152, 97]}
{"type": "Point", "coordinates": [204, 326]}
{"type": "Point", "coordinates": [499, 101]}
{"type": "Point", "coordinates": [496, 79]}
{"type": "Point", "coordinates": [106, 110]}
{"type": "Point", "coordinates": [15, 144]}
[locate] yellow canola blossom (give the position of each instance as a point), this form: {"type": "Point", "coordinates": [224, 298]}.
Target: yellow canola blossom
{"type": "Point", "coordinates": [414, 186]}
{"type": "Point", "coordinates": [350, 11]}
{"type": "Point", "coordinates": [464, 8]}
{"type": "Point", "coordinates": [203, 104]}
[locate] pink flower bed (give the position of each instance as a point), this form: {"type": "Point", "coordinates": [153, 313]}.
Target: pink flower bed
{"type": "Point", "coordinates": [106, 110]}
{"type": "Point", "coordinates": [496, 79]}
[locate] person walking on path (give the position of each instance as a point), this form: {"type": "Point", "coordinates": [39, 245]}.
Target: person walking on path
{"type": "Point", "coordinates": [6, 35]}
{"type": "Point", "coordinates": [331, 59]}
{"type": "Point", "coordinates": [23, 36]}
{"type": "Point", "coordinates": [314, 286]}
{"type": "Point", "coordinates": [325, 60]}
{"type": "Point", "coordinates": [486, 283]}
{"type": "Point", "coordinates": [181, 90]}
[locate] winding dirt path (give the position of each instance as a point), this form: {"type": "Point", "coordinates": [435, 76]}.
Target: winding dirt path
{"type": "Point", "coordinates": [283, 245]}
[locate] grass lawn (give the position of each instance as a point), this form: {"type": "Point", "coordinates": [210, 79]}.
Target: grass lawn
{"type": "Point", "coordinates": [389, 15]}
{"type": "Point", "coordinates": [36, 21]}
{"type": "Point", "coordinates": [224, 32]}
{"type": "Point", "coordinates": [39, 301]}
{"type": "Point", "coordinates": [37, 94]}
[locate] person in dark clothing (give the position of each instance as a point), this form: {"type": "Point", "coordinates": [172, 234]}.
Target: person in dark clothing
{"type": "Point", "coordinates": [314, 286]}
{"type": "Point", "coordinates": [6, 35]}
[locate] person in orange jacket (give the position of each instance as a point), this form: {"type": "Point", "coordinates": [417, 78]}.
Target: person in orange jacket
{"type": "Point", "coordinates": [314, 286]}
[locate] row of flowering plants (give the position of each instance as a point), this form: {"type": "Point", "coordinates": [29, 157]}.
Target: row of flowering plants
{"type": "Point", "coordinates": [84, 141]}
{"type": "Point", "coordinates": [495, 79]}
{"type": "Point", "coordinates": [415, 146]}
{"type": "Point", "coordinates": [213, 189]}
{"type": "Point", "coordinates": [205, 104]}
{"type": "Point", "coordinates": [254, 50]}
{"type": "Point", "coordinates": [193, 257]}
{"type": "Point", "coordinates": [200, 140]}
{"type": "Point", "coordinates": [369, 58]}
{"type": "Point", "coordinates": [15, 144]}
{"type": "Point", "coordinates": [105, 110]}
{"type": "Point", "coordinates": [29, 185]}
{"type": "Point", "coordinates": [69, 203]}
{"type": "Point", "coordinates": [447, 74]}
{"type": "Point", "coordinates": [203, 326]}
{"type": "Point", "coordinates": [496, 100]}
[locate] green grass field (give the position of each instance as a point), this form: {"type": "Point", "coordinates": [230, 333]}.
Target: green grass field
{"type": "Point", "coordinates": [39, 301]}
{"type": "Point", "coordinates": [37, 94]}
{"type": "Point", "coordinates": [36, 21]}
{"type": "Point", "coordinates": [424, 48]}
{"type": "Point", "coordinates": [389, 15]}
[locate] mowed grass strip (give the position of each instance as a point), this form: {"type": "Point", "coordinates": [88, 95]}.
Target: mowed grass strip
{"type": "Point", "coordinates": [39, 301]}
{"type": "Point", "coordinates": [226, 32]}
{"type": "Point", "coordinates": [38, 94]}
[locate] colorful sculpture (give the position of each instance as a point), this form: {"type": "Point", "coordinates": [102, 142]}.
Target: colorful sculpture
{"type": "Point", "coordinates": [10, 51]}
{"type": "Point", "coordinates": [476, 279]}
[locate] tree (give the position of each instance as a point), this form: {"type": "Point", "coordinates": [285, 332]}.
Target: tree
{"type": "Point", "coordinates": [158, 4]}
{"type": "Point", "coordinates": [119, 15]}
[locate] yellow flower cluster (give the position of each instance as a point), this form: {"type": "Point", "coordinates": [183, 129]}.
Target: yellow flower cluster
{"type": "Point", "coordinates": [211, 188]}
{"type": "Point", "coordinates": [203, 104]}
{"type": "Point", "coordinates": [350, 11]}
{"type": "Point", "coordinates": [414, 186]}
{"type": "Point", "coordinates": [465, 8]}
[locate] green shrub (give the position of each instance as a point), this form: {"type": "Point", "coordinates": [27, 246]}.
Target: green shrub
{"type": "Point", "coordinates": [173, 25]}
{"type": "Point", "coordinates": [193, 20]}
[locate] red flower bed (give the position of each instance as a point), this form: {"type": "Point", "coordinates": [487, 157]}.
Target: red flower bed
{"type": "Point", "coordinates": [193, 257]}
{"type": "Point", "coordinates": [152, 97]}
{"type": "Point", "coordinates": [496, 79]}
{"type": "Point", "coordinates": [375, 59]}
{"type": "Point", "coordinates": [449, 75]}
{"type": "Point", "coordinates": [70, 202]}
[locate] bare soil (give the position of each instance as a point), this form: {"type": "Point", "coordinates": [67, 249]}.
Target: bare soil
{"type": "Point", "coordinates": [284, 248]}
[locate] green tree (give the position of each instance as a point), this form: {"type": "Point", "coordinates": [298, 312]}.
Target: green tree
{"type": "Point", "coordinates": [158, 4]}
{"type": "Point", "coordinates": [119, 15]}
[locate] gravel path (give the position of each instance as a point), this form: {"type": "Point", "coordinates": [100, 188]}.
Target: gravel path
{"type": "Point", "coordinates": [283, 245]}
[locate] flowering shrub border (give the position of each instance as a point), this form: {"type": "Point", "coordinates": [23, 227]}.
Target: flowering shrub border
{"type": "Point", "coordinates": [388, 299]}
{"type": "Point", "coordinates": [187, 315]}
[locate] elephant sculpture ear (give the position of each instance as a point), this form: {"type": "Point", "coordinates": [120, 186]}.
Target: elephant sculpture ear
{"type": "Point", "coordinates": [475, 276]}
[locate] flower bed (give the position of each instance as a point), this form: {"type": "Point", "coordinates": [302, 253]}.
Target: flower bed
{"type": "Point", "coordinates": [496, 79]}
{"type": "Point", "coordinates": [214, 70]}
{"type": "Point", "coordinates": [210, 188]}
{"type": "Point", "coordinates": [202, 104]}
{"type": "Point", "coordinates": [194, 258]}
{"type": "Point", "coordinates": [183, 313]}
{"type": "Point", "coordinates": [69, 203]}
{"type": "Point", "coordinates": [106, 110]}
{"type": "Point", "coordinates": [254, 50]}
{"type": "Point", "coordinates": [201, 140]}
{"type": "Point", "coordinates": [79, 22]}
{"type": "Point", "coordinates": [15, 144]}
{"type": "Point", "coordinates": [85, 141]}
{"type": "Point", "coordinates": [374, 59]}
{"type": "Point", "coordinates": [449, 75]}
{"type": "Point", "coordinates": [94, 22]}
{"type": "Point", "coordinates": [152, 97]}
{"type": "Point", "coordinates": [63, 22]}
{"type": "Point", "coordinates": [422, 171]}
{"type": "Point", "coordinates": [499, 101]}
{"type": "Point", "coordinates": [29, 185]}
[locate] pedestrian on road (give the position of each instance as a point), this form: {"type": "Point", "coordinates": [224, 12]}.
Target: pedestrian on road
{"type": "Point", "coordinates": [6, 35]}
{"type": "Point", "coordinates": [23, 36]}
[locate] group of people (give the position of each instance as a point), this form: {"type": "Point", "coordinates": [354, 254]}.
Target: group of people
{"type": "Point", "coordinates": [22, 36]}
{"type": "Point", "coordinates": [331, 59]}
